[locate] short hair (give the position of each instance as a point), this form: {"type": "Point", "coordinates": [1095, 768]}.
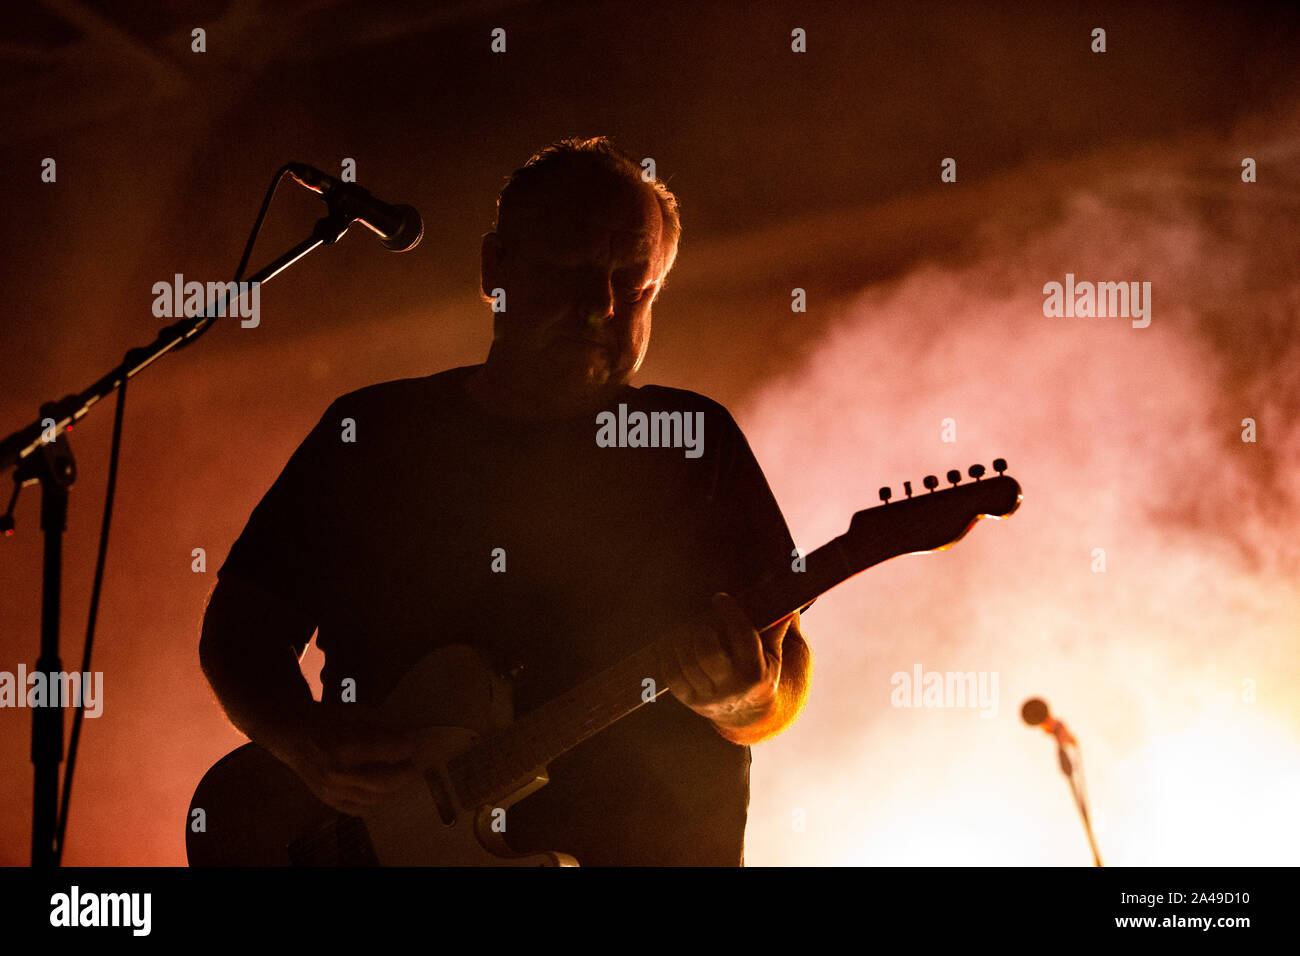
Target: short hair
{"type": "Point", "coordinates": [597, 154]}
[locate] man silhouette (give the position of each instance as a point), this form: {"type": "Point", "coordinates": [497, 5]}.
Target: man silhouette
{"type": "Point", "coordinates": [475, 506]}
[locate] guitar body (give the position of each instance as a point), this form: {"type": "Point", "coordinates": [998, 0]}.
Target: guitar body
{"type": "Point", "coordinates": [257, 812]}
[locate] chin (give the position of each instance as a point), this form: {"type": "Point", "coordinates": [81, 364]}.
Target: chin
{"type": "Point", "coordinates": [587, 376]}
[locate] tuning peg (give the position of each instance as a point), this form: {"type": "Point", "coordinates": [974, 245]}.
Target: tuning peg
{"type": "Point", "coordinates": [885, 495]}
{"type": "Point", "coordinates": [999, 465]}
{"type": "Point", "coordinates": [977, 472]}
{"type": "Point", "coordinates": [930, 482]}
{"type": "Point", "coordinates": [954, 477]}
{"type": "Point", "coordinates": [907, 486]}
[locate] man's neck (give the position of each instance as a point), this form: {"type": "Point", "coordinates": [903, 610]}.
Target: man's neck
{"type": "Point", "coordinates": [512, 389]}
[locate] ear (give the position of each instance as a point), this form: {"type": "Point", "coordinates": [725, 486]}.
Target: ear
{"type": "Point", "coordinates": [491, 264]}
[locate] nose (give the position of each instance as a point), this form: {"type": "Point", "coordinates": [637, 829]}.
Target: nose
{"type": "Point", "coordinates": [597, 302]}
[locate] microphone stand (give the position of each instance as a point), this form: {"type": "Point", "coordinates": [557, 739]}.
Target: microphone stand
{"type": "Point", "coordinates": [1067, 768]}
{"type": "Point", "coordinates": [31, 453]}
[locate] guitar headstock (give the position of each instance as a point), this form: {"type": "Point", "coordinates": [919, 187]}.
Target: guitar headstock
{"type": "Point", "coordinates": [931, 520]}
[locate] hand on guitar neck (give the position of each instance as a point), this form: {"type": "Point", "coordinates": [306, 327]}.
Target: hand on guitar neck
{"type": "Point", "coordinates": [726, 671]}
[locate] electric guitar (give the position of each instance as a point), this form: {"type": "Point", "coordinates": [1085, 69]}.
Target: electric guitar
{"type": "Point", "coordinates": [476, 760]}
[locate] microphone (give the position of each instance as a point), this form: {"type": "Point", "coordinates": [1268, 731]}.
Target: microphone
{"type": "Point", "coordinates": [400, 227]}
{"type": "Point", "coordinates": [1035, 714]}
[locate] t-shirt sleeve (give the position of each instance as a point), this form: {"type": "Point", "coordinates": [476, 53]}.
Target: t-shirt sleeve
{"type": "Point", "coordinates": [752, 517]}
{"type": "Point", "coordinates": [283, 547]}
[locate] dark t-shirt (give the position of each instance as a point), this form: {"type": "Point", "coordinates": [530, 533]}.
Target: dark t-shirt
{"type": "Point", "coordinates": [387, 542]}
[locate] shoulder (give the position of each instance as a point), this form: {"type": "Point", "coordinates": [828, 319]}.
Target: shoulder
{"type": "Point", "coordinates": [385, 414]}
{"type": "Point", "coordinates": [403, 392]}
{"type": "Point", "coordinates": [665, 398]}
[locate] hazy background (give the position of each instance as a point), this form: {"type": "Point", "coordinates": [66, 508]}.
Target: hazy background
{"type": "Point", "coordinates": [817, 170]}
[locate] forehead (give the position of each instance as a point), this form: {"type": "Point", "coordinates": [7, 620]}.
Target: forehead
{"type": "Point", "coordinates": [596, 215]}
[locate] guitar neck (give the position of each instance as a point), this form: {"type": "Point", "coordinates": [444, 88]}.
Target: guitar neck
{"type": "Point", "coordinates": [488, 770]}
